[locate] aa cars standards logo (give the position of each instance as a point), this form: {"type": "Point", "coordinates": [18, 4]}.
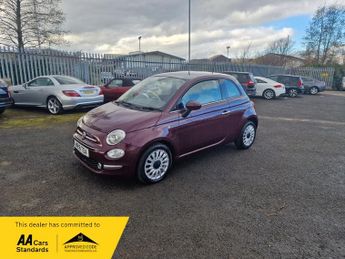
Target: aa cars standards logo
{"type": "Point", "coordinates": [80, 243]}
{"type": "Point", "coordinates": [28, 244]}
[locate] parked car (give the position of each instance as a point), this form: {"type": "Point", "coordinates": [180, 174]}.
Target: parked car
{"type": "Point", "coordinates": [57, 93]}
{"type": "Point", "coordinates": [268, 88]}
{"type": "Point", "coordinates": [5, 98]}
{"type": "Point", "coordinates": [293, 84]}
{"type": "Point", "coordinates": [313, 86]}
{"type": "Point", "coordinates": [247, 81]}
{"type": "Point", "coordinates": [117, 87]}
{"type": "Point", "coordinates": [163, 118]}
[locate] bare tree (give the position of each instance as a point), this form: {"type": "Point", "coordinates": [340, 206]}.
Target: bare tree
{"type": "Point", "coordinates": [283, 46]}
{"type": "Point", "coordinates": [277, 53]}
{"type": "Point", "coordinates": [31, 23]}
{"type": "Point", "coordinates": [242, 57]}
{"type": "Point", "coordinates": [325, 34]}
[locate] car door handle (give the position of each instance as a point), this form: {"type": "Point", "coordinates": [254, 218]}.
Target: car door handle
{"type": "Point", "coordinates": [226, 112]}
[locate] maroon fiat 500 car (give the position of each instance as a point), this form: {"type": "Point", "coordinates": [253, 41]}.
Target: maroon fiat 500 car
{"type": "Point", "coordinates": [163, 118]}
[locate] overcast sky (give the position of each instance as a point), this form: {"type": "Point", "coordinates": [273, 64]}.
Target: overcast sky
{"type": "Point", "coordinates": [113, 26]}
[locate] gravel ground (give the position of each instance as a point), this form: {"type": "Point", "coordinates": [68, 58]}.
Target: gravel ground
{"type": "Point", "coordinates": [284, 198]}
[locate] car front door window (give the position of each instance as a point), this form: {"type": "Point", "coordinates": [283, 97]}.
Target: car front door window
{"type": "Point", "coordinates": [204, 93]}
{"type": "Point", "coordinates": [41, 82]}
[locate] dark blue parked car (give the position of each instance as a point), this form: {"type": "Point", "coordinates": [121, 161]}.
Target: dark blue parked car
{"type": "Point", "coordinates": [5, 99]}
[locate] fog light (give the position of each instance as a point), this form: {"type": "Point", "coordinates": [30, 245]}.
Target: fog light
{"type": "Point", "coordinates": [116, 153]}
{"type": "Point", "coordinates": [99, 166]}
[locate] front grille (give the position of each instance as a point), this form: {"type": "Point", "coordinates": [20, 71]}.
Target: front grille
{"type": "Point", "coordinates": [85, 135]}
{"type": "Point", "coordinates": [89, 161]}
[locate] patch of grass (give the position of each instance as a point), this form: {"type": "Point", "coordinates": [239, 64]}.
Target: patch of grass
{"type": "Point", "coordinates": [14, 118]}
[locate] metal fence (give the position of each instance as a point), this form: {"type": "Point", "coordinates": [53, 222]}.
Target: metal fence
{"type": "Point", "coordinates": [20, 67]}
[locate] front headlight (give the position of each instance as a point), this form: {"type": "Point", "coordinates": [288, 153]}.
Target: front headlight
{"type": "Point", "coordinates": [115, 137]}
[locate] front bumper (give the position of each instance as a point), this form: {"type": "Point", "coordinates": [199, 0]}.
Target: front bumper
{"type": "Point", "coordinates": [70, 103]}
{"type": "Point", "coordinates": [99, 163]}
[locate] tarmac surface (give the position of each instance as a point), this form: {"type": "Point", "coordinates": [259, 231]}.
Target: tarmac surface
{"type": "Point", "coordinates": [284, 198]}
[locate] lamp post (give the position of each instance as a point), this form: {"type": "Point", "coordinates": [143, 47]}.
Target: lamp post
{"type": "Point", "coordinates": [139, 38]}
{"type": "Point", "coordinates": [189, 30]}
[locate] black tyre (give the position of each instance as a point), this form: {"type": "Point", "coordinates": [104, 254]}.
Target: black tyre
{"type": "Point", "coordinates": [54, 106]}
{"type": "Point", "coordinates": [154, 164]}
{"type": "Point", "coordinates": [292, 93]}
{"type": "Point", "coordinates": [269, 94]}
{"type": "Point", "coordinates": [247, 136]}
{"type": "Point", "coordinates": [314, 90]}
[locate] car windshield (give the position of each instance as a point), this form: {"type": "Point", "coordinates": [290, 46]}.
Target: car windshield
{"type": "Point", "coordinates": [153, 93]}
{"type": "Point", "coordinates": [66, 80]}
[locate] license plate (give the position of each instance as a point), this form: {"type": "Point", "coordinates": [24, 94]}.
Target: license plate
{"type": "Point", "coordinates": [88, 92]}
{"type": "Point", "coordinates": [83, 150]}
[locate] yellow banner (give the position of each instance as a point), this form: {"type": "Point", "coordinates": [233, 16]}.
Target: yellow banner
{"type": "Point", "coordinates": [60, 237]}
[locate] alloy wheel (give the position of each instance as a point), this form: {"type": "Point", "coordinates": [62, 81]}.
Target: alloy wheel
{"type": "Point", "coordinates": [269, 94]}
{"type": "Point", "coordinates": [53, 106]}
{"type": "Point", "coordinates": [157, 164]}
{"type": "Point", "coordinates": [249, 135]}
{"type": "Point", "coordinates": [293, 93]}
{"type": "Point", "coordinates": [314, 90]}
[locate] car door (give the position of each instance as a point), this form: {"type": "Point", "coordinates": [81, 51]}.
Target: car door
{"type": "Point", "coordinates": [115, 89]}
{"type": "Point", "coordinates": [36, 91]}
{"type": "Point", "coordinates": [204, 127]}
{"type": "Point", "coordinates": [236, 107]}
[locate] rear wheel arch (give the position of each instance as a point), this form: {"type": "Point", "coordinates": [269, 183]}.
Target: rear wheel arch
{"type": "Point", "coordinates": [59, 104]}
{"type": "Point", "coordinates": [50, 96]}
{"type": "Point", "coordinates": [254, 120]}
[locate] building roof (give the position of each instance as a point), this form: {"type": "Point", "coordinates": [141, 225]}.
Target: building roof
{"type": "Point", "coordinates": [155, 53]}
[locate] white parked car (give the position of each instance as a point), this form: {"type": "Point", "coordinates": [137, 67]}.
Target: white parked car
{"type": "Point", "coordinates": [268, 88]}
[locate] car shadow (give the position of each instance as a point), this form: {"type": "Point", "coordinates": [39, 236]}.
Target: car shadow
{"type": "Point", "coordinates": [131, 183]}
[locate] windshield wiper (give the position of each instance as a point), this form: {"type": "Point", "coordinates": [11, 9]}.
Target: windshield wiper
{"type": "Point", "coordinates": [137, 107]}
{"type": "Point", "coordinates": [150, 108]}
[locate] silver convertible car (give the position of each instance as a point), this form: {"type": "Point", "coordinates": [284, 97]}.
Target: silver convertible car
{"type": "Point", "coordinates": [56, 93]}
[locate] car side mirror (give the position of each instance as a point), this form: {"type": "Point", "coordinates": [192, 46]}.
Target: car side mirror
{"type": "Point", "coordinates": [191, 106]}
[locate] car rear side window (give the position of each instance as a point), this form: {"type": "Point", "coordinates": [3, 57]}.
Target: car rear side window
{"type": "Point", "coordinates": [115, 83]}
{"type": "Point", "coordinates": [260, 81]}
{"type": "Point", "coordinates": [284, 80]}
{"type": "Point", "coordinates": [204, 92]}
{"type": "Point", "coordinates": [229, 89]}
{"type": "Point", "coordinates": [242, 78]}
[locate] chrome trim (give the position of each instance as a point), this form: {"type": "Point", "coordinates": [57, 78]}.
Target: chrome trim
{"type": "Point", "coordinates": [109, 167]}
{"type": "Point", "coordinates": [200, 149]}
{"type": "Point", "coordinates": [85, 135]}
